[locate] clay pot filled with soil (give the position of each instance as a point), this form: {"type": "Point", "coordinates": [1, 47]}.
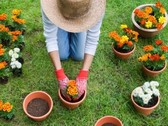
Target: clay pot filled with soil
{"type": "Point", "coordinates": [37, 105]}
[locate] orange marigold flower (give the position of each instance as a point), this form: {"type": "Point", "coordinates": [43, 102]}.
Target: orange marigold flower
{"type": "Point", "coordinates": [129, 43]}
{"type": "Point", "coordinates": [148, 10]}
{"type": "Point", "coordinates": [152, 19]}
{"type": "Point", "coordinates": [1, 104]}
{"type": "Point", "coordinates": [142, 22]}
{"type": "Point", "coordinates": [72, 88]}
{"type": "Point", "coordinates": [162, 10]}
{"type": "Point", "coordinates": [7, 107]}
{"type": "Point", "coordinates": [159, 26]}
{"type": "Point", "coordinates": [2, 51]}
{"type": "Point", "coordinates": [114, 35]}
{"type": "Point", "coordinates": [148, 48]}
{"type": "Point", "coordinates": [158, 4]}
{"type": "Point", "coordinates": [164, 48]}
{"type": "Point", "coordinates": [3, 65]}
{"type": "Point", "coordinates": [158, 42]}
{"type": "Point", "coordinates": [3, 17]}
{"type": "Point", "coordinates": [120, 45]}
{"type": "Point", "coordinates": [14, 38]}
{"type": "Point", "coordinates": [154, 57]}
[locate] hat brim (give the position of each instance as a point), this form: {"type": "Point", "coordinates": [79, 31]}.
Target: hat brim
{"type": "Point", "coordinates": [83, 23]}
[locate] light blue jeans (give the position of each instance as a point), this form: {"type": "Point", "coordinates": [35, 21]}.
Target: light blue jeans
{"type": "Point", "coordinates": [71, 44]}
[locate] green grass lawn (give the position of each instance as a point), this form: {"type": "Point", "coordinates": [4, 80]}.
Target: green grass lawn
{"type": "Point", "coordinates": [110, 83]}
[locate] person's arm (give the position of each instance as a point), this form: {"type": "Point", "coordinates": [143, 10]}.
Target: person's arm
{"type": "Point", "coordinates": [50, 33]}
{"type": "Point", "coordinates": [90, 49]}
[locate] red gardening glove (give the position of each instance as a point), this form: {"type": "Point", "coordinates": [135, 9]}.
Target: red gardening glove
{"type": "Point", "coordinates": [62, 80]}
{"type": "Point", "coordinates": [81, 82]}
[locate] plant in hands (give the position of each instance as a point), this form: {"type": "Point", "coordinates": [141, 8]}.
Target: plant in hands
{"type": "Point", "coordinates": [155, 55]}
{"type": "Point", "coordinates": [6, 110]}
{"type": "Point", "coordinates": [71, 90]}
{"type": "Point", "coordinates": [125, 42]}
{"type": "Point", "coordinates": [147, 94]}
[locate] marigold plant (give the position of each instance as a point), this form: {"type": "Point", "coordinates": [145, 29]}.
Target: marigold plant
{"type": "Point", "coordinates": [155, 55]}
{"type": "Point", "coordinates": [71, 89]}
{"type": "Point", "coordinates": [6, 110]}
{"type": "Point", "coordinates": [151, 16]}
{"type": "Point", "coordinates": [125, 41]}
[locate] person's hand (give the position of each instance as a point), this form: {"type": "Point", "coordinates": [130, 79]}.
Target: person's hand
{"type": "Point", "coordinates": [62, 80]}
{"type": "Point", "coordinates": [81, 81]}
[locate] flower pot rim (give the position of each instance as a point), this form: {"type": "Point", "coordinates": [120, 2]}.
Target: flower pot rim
{"type": "Point", "coordinates": [39, 117]}
{"type": "Point", "coordinates": [108, 116]}
{"type": "Point", "coordinates": [122, 52]}
{"type": "Point", "coordinates": [145, 108]}
{"type": "Point", "coordinates": [141, 28]}
{"type": "Point", "coordinates": [156, 71]}
{"type": "Point", "coordinates": [72, 103]}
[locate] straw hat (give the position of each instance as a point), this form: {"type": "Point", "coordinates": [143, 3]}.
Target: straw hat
{"type": "Point", "coordinates": [74, 15]}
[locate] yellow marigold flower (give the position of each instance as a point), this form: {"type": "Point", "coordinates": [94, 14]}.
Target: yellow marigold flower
{"type": "Point", "coordinates": [123, 26]}
{"type": "Point", "coordinates": [124, 39]}
{"type": "Point", "coordinates": [16, 12]}
{"type": "Point", "coordinates": [148, 24]}
{"type": "Point", "coordinates": [162, 19]}
{"type": "Point", "coordinates": [162, 57]}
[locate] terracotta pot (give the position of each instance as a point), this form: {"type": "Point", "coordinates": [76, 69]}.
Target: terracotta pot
{"type": "Point", "coordinates": [144, 110]}
{"type": "Point", "coordinates": [121, 55]}
{"type": "Point", "coordinates": [38, 94]}
{"type": "Point", "coordinates": [71, 105]}
{"type": "Point", "coordinates": [153, 73]}
{"type": "Point", "coordinates": [108, 119]}
{"type": "Point", "coordinates": [146, 33]}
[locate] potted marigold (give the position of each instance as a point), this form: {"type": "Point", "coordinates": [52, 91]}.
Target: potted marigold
{"type": "Point", "coordinates": [124, 45]}
{"type": "Point", "coordinates": [6, 110]}
{"type": "Point", "coordinates": [69, 99]}
{"type": "Point", "coordinates": [154, 59]}
{"type": "Point", "coordinates": [18, 22]}
{"type": "Point", "coordinates": [146, 98]}
{"type": "Point", "coordinates": [149, 19]}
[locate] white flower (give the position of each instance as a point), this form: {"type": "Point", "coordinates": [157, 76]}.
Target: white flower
{"type": "Point", "coordinates": [15, 55]}
{"type": "Point", "coordinates": [148, 91]}
{"type": "Point", "coordinates": [13, 59]}
{"type": "Point", "coordinates": [146, 98]}
{"type": "Point", "coordinates": [137, 91]}
{"type": "Point", "coordinates": [156, 92]}
{"type": "Point", "coordinates": [12, 64]}
{"type": "Point", "coordinates": [17, 50]}
{"type": "Point", "coordinates": [146, 85]}
{"type": "Point", "coordinates": [10, 52]}
{"type": "Point", "coordinates": [154, 83]}
{"type": "Point", "coordinates": [18, 64]}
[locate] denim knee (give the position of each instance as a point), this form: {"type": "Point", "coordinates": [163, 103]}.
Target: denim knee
{"type": "Point", "coordinates": [78, 57]}
{"type": "Point", "coordinates": [64, 57]}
